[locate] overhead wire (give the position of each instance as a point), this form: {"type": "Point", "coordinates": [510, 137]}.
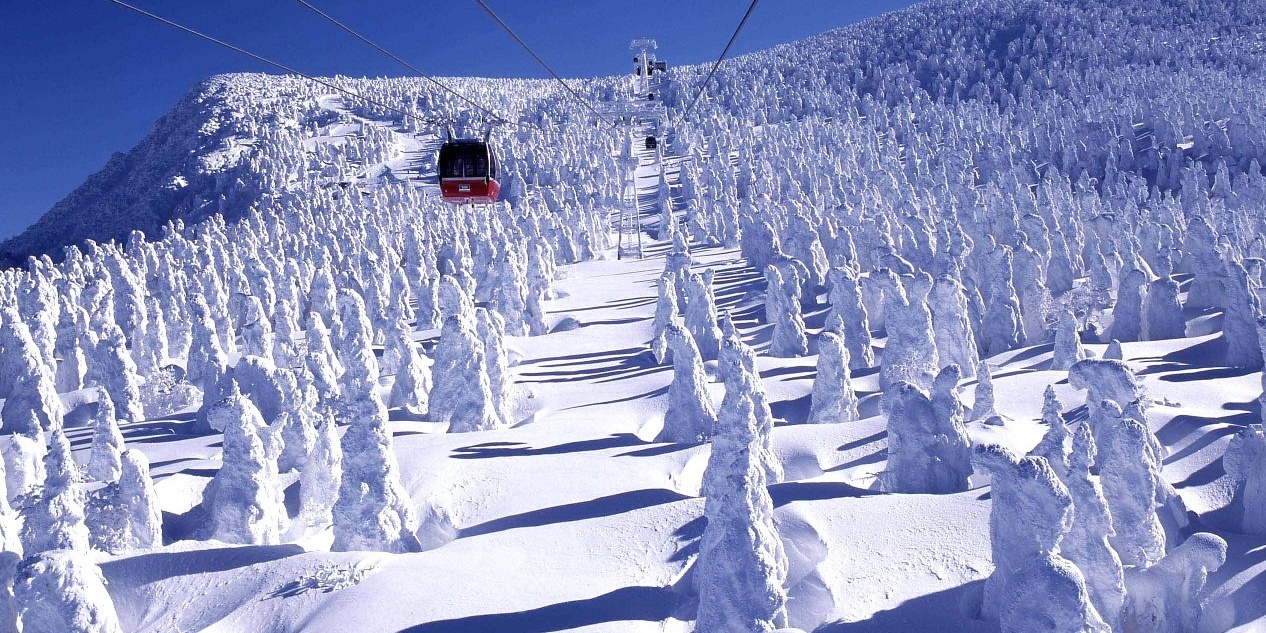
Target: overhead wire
{"type": "Point", "coordinates": [685, 113]}
{"type": "Point", "coordinates": [275, 64]}
{"type": "Point", "coordinates": [496, 117]}
{"type": "Point", "coordinates": [515, 36]}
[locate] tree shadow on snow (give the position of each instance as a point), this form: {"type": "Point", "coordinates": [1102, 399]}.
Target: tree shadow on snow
{"type": "Point", "coordinates": [518, 449]}
{"type": "Point", "coordinates": [594, 508]}
{"type": "Point", "coordinates": [940, 611]}
{"type": "Point", "coordinates": [793, 411]}
{"type": "Point", "coordinates": [789, 491]}
{"type": "Point", "coordinates": [644, 604]}
{"type": "Point", "coordinates": [148, 568]}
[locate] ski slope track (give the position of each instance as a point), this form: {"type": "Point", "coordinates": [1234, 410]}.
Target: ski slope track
{"type": "Point", "coordinates": [978, 202]}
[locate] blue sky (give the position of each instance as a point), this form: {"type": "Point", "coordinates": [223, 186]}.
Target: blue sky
{"type": "Point", "coordinates": [85, 79]}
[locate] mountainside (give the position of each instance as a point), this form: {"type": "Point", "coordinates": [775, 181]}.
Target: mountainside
{"type": "Point", "coordinates": [948, 320]}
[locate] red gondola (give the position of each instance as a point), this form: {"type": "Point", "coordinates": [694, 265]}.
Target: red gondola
{"type": "Point", "coordinates": [468, 171]}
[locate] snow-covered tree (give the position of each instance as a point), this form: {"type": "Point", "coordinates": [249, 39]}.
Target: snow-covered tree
{"type": "Point", "coordinates": [1167, 597]}
{"type": "Point", "coordinates": [1087, 542]}
{"type": "Point", "coordinates": [982, 408]}
{"type": "Point", "coordinates": [1162, 311]}
{"type": "Point", "coordinates": [355, 347]}
{"type": "Point", "coordinates": [55, 518]}
{"type": "Point", "coordinates": [461, 392]}
{"type": "Point", "coordinates": [490, 328]}
{"type": "Point", "coordinates": [833, 399]}
{"type": "Point", "coordinates": [244, 500]}
{"type": "Point", "coordinates": [737, 367]}
{"type": "Point", "coordinates": [1046, 594]}
{"type": "Point", "coordinates": [125, 515]}
{"type": "Point", "coordinates": [690, 416]}
{"type": "Point", "coordinates": [1130, 481]}
{"type": "Point", "coordinates": [701, 314]}
{"type": "Point", "coordinates": [24, 465]}
{"type": "Point", "coordinates": [742, 566]}
{"type": "Point", "coordinates": [1030, 514]}
{"type": "Point", "coordinates": [665, 313]}
{"type": "Point", "coordinates": [928, 447]}
{"type": "Point", "coordinates": [1245, 464]}
{"type": "Point", "coordinates": [1068, 349]}
{"type": "Point", "coordinates": [848, 317]}
{"type": "Point", "coordinates": [1054, 443]}
{"type": "Point", "coordinates": [321, 475]}
{"type": "Point", "coordinates": [321, 361]}
{"type": "Point", "coordinates": [910, 353]}
{"type": "Point", "coordinates": [951, 326]}
{"type": "Point", "coordinates": [782, 309]}
{"type": "Point", "coordinates": [413, 375]}
{"type": "Point", "coordinates": [1127, 314]}
{"type": "Point", "coordinates": [107, 441]}
{"type": "Point", "coordinates": [63, 591]}
{"type": "Point", "coordinates": [26, 382]}
{"type": "Point", "coordinates": [1239, 320]}
{"type": "Point", "coordinates": [111, 366]}
{"type": "Point", "coordinates": [374, 511]}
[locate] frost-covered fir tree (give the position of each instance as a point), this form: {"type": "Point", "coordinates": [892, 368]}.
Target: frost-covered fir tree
{"type": "Point", "coordinates": [1087, 542]}
{"type": "Point", "coordinates": [737, 367]}
{"type": "Point", "coordinates": [461, 392]}
{"type": "Point", "coordinates": [690, 416]}
{"type": "Point", "coordinates": [1130, 481]}
{"type": "Point", "coordinates": [1168, 597]}
{"type": "Point", "coordinates": [55, 519]}
{"type": "Point", "coordinates": [1068, 349]}
{"type": "Point", "coordinates": [848, 317]}
{"type": "Point", "coordinates": [244, 499]}
{"type": "Point", "coordinates": [782, 309]}
{"type": "Point", "coordinates": [10, 617]}
{"type": "Point", "coordinates": [1245, 464]}
{"type": "Point", "coordinates": [24, 465]}
{"type": "Point", "coordinates": [982, 408]}
{"type": "Point", "coordinates": [374, 511]}
{"type": "Point", "coordinates": [1003, 329]}
{"type": "Point", "coordinates": [951, 326]}
{"type": "Point", "coordinates": [355, 347]}
{"type": "Point", "coordinates": [125, 515]}
{"type": "Point", "coordinates": [833, 399]}
{"type": "Point", "coordinates": [701, 314]}
{"type": "Point", "coordinates": [72, 330]}
{"type": "Point", "coordinates": [107, 441]}
{"type": "Point", "coordinates": [1127, 314]}
{"type": "Point", "coordinates": [413, 375]}
{"type": "Point", "coordinates": [742, 566]}
{"type": "Point", "coordinates": [1239, 320]}
{"type": "Point", "coordinates": [111, 366]}
{"type": "Point", "coordinates": [321, 361]}
{"type": "Point", "coordinates": [10, 528]}
{"type": "Point", "coordinates": [665, 311]}
{"type": "Point", "coordinates": [1162, 311]}
{"type": "Point", "coordinates": [26, 382]}
{"type": "Point", "coordinates": [1048, 594]}
{"type": "Point", "coordinates": [321, 475]}
{"type": "Point", "coordinates": [63, 591]}
{"type": "Point", "coordinates": [928, 447]}
{"type": "Point", "coordinates": [1054, 443]}
{"type": "Point", "coordinates": [143, 520]}
{"type": "Point", "coordinates": [490, 328]}
{"type": "Point", "coordinates": [910, 354]}
{"type": "Point", "coordinates": [1031, 511]}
